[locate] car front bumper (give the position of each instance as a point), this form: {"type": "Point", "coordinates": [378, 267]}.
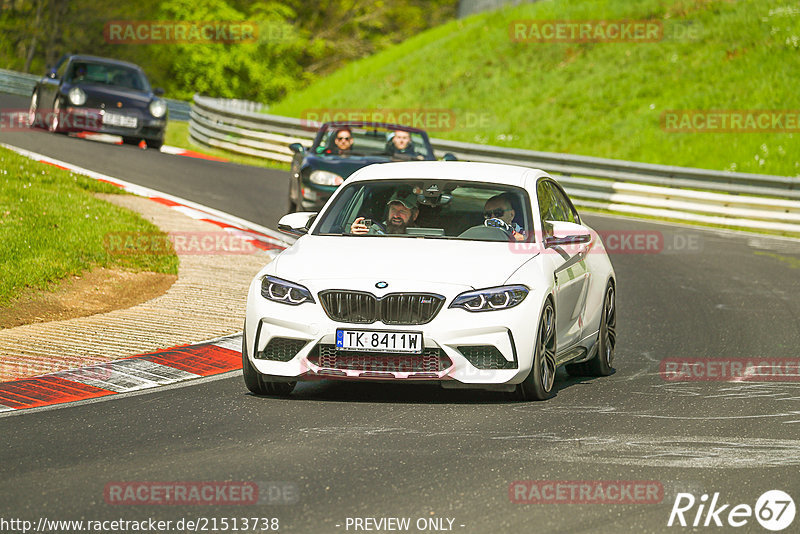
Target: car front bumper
{"type": "Point", "coordinates": [76, 119]}
{"type": "Point", "coordinates": [486, 350]}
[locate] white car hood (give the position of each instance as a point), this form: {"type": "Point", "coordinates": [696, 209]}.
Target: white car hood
{"type": "Point", "coordinates": [473, 264]}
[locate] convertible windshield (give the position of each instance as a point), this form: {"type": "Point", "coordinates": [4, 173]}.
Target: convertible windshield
{"type": "Point", "coordinates": [108, 74]}
{"type": "Point", "coordinates": [373, 140]}
{"type": "Point", "coordinates": [437, 209]}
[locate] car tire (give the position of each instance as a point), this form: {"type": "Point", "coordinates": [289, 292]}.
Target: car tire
{"type": "Point", "coordinates": [33, 111]}
{"type": "Point", "coordinates": [255, 381]}
{"type": "Point", "coordinates": [55, 118]}
{"type": "Point", "coordinates": [131, 140]}
{"type": "Point", "coordinates": [154, 143]}
{"type": "Point", "coordinates": [538, 385]}
{"type": "Point", "coordinates": [601, 363]}
{"type": "Point", "coordinates": [292, 208]}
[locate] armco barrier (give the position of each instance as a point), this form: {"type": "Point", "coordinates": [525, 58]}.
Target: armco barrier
{"type": "Point", "coordinates": [752, 201]}
{"type": "Point", "coordinates": [21, 84]}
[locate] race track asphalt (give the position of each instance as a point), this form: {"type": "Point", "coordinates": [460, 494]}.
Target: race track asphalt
{"type": "Point", "coordinates": [367, 450]}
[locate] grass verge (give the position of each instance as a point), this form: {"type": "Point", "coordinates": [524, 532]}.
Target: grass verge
{"type": "Point", "coordinates": [51, 227]}
{"type": "Point", "coordinates": [602, 99]}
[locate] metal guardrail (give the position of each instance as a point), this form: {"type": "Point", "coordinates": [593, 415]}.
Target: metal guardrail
{"type": "Point", "coordinates": [753, 201]}
{"type": "Point", "coordinates": [21, 84]}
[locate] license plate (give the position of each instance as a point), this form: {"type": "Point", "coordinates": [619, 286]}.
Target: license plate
{"type": "Point", "coordinates": [379, 341]}
{"type": "Point", "coordinates": [114, 119]}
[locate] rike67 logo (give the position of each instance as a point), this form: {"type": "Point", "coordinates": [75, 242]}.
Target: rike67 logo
{"type": "Point", "coordinates": [774, 510]}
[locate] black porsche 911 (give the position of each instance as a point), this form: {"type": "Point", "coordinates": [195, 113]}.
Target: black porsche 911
{"type": "Point", "coordinates": [95, 94]}
{"type": "Point", "coordinates": [341, 148]}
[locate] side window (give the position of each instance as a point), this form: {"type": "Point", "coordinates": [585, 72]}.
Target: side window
{"type": "Point", "coordinates": [563, 210]}
{"type": "Point", "coordinates": [543, 197]}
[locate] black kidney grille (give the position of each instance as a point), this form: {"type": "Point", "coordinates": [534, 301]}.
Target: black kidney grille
{"type": "Point", "coordinates": [395, 308]}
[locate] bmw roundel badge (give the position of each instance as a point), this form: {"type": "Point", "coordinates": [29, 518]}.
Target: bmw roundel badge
{"type": "Point", "coordinates": [381, 285]}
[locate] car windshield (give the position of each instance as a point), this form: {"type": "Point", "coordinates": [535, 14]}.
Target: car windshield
{"type": "Point", "coordinates": [374, 141]}
{"type": "Point", "coordinates": [436, 209]}
{"type": "Point", "coordinates": [108, 74]}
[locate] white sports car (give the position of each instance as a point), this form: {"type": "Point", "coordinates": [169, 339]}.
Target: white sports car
{"type": "Point", "coordinates": [471, 275]}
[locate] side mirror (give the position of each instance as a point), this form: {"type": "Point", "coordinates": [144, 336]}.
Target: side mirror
{"type": "Point", "coordinates": [51, 73]}
{"type": "Point", "coordinates": [297, 148]}
{"type": "Point", "coordinates": [567, 233]}
{"type": "Point", "coordinates": [158, 91]}
{"type": "Point", "coordinates": [449, 157]}
{"type": "Point", "coordinates": [297, 224]}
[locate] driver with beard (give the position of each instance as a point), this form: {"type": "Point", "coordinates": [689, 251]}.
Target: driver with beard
{"type": "Point", "coordinates": [403, 212]}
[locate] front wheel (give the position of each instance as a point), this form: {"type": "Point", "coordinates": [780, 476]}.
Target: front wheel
{"type": "Point", "coordinates": [55, 117]}
{"type": "Point", "coordinates": [538, 385]}
{"type": "Point", "coordinates": [33, 111]}
{"type": "Point", "coordinates": [154, 143]}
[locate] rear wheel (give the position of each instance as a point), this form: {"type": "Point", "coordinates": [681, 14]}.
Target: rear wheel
{"type": "Point", "coordinates": [538, 385]}
{"type": "Point", "coordinates": [601, 363]}
{"type": "Point", "coordinates": [131, 140]}
{"type": "Point", "coordinates": [255, 381]}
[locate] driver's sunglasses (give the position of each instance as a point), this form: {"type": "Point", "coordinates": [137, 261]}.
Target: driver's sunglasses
{"type": "Point", "coordinates": [343, 138]}
{"type": "Point", "coordinates": [494, 213]}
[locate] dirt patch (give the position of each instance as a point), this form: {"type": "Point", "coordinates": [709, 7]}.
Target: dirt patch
{"type": "Point", "coordinates": [96, 291]}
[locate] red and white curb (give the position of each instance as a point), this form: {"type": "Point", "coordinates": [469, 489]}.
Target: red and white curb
{"type": "Point", "coordinates": [259, 236]}
{"type": "Point", "coordinates": [136, 373]}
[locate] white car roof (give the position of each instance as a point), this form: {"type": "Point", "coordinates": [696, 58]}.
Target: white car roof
{"type": "Point", "coordinates": [449, 170]}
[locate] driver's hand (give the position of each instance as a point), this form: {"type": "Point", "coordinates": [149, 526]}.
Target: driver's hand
{"type": "Point", "coordinates": [358, 227]}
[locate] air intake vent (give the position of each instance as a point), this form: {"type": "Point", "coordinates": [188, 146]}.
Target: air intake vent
{"type": "Point", "coordinates": [281, 349]}
{"type": "Point", "coordinates": [486, 357]}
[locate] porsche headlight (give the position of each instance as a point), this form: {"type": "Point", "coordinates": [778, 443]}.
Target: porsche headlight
{"type": "Point", "coordinates": [494, 298]}
{"type": "Point", "coordinates": [158, 108]}
{"type": "Point", "coordinates": [283, 291]}
{"type": "Point", "coordinates": [325, 178]}
{"type": "Point", "coordinates": [76, 96]}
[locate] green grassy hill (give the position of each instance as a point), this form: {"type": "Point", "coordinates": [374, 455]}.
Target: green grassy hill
{"type": "Point", "coordinates": [600, 98]}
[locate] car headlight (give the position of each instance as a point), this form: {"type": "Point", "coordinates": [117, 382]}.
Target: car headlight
{"type": "Point", "coordinates": [325, 178]}
{"type": "Point", "coordinates": [283, 291]}
{"type": "Point", "coordinates": [494, 298]}
{"type": "Point", "coordinates": [76, 96]}
{"type": "Point", "coordinates": [158, 108]}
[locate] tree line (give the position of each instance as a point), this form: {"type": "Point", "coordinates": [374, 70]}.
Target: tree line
{"type": "Point", "coordinates": [297, 42]}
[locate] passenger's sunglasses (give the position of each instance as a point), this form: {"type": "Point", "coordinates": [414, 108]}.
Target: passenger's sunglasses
{"type": "Point", "coordinates": [494, 213]}
{"type": "Point", "coordinates": [343, 138]}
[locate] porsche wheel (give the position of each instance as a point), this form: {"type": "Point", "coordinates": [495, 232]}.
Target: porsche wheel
{"type": "Point", "coordinates": [539, 383]}
{"type": "Point", "coordinates": [601, 364]}
{"type": "Point", "coordinates": [33, 111]}
{"type": "Point", "coordinates": [255, 381]}
{"type": "Point", "coordinates": [55, 117]}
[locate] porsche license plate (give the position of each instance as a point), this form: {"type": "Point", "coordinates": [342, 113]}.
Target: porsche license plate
{"type": "Point", "coordinates": [379, 341]}
{"type": "Point", "coordinates": [115, 119]}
